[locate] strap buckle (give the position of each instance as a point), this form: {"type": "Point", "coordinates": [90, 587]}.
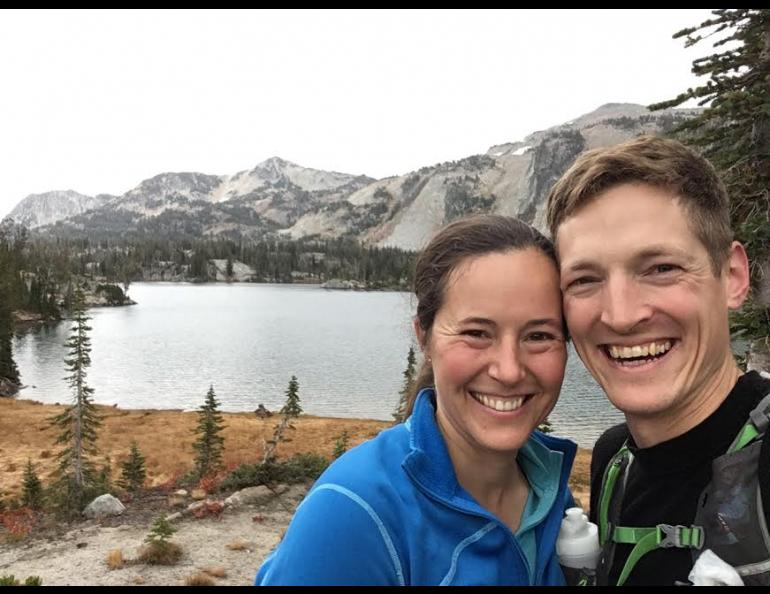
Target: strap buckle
{"type": "Point", "coordinates": [679, 537]}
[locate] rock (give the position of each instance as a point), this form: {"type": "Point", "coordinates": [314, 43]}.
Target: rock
{"type": "Point", "coordinates": [262, 412]}
{"type": "Point", "coordinates": [104, 506]}
{"type": "Point", "coordinates": [250, 496]}
{"type": "Point", "coordinates": [8, 388]}
{"type": "Point", "coordinates": [198, 494]}
{"type": "Point", "coordinates": [174, 517]}
{"type": "Point", "coordinates": [175, 500]}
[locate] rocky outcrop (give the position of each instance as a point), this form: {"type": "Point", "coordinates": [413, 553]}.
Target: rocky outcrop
{"type": "Point", "coordinates": [104, 506]}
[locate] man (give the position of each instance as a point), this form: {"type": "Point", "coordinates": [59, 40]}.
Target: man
{"type": "Point", "coordinates": [649, 272]}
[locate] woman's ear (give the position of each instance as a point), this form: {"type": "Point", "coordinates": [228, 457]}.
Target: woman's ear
{"type": "Point", "coordinates": [420, 334]}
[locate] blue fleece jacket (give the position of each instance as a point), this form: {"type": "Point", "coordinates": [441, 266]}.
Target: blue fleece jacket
{"type": "Point", "coordinates": [391, 512]}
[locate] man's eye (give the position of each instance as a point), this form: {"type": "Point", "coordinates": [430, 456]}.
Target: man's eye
{"type": "Point", "coordinates": [582, 281]}
{"type": "Point", "coordinates": [664, 268]}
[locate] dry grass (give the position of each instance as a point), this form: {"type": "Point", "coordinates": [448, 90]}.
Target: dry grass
{"type": "Point", "coordinates": [115, 559]}
{"type": "Point", "coordinates": [199, 579]}
{"type": "Point", "coordinates": [160, 553]}
{"type": "Point", "coordinates": [25, 434]}
{"type": "Point", "coordinates": [239, 545]}
{"type": "Point", "coordinates": [217, 571]}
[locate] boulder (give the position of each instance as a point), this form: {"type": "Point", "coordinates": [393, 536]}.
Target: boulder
{"type": "Point", "coordinates": [104, 506]}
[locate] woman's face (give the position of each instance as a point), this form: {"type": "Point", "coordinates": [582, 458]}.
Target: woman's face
{"type": "Point", "coordinates": [498, 350]}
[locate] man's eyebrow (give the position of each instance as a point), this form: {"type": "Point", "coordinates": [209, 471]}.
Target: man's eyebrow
{"type": "Point", "coordinates": [656, 251]}
{"type": "Point", "coordinates": [650, 252]}
{"type": "Point", "coordinates": [579, 265]}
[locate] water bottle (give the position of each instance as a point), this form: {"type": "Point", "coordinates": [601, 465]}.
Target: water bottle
{"type": "Point", "coordinates": [578, 548]}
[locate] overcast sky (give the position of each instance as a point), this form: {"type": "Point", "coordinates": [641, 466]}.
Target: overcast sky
{"type": "Point", "coordinates": [97, 101]}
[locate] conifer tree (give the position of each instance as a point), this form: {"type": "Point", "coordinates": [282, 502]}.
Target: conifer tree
{"type": "Point", "coordinates": [292, 407]}
{"type": "Point", "coordinates": [161, 531]}
{"type": "Point", "coordinates": [78, 423]}
{"type": "Point", "coordinates": [341, 444]}
{"type": "Point", "coordinates": [409, 374]}
{"type": "Point", "coordinates": [133, 474]}
{"type": "Point", "coordinates": [210, 444]}
{"type": "Point", "coordinates": [9, 373]}
{"type": "Point", "coordinates": [32, 494]}
{"type": "Point", "coordinates": [733, 132]}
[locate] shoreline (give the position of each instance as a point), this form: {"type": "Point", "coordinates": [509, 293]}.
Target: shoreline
{"type": "Point", "coordinates": [165, 438]}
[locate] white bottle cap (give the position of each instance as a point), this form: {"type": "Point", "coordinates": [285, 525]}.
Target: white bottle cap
{"type": "Point", "coordinates": [578, 542]}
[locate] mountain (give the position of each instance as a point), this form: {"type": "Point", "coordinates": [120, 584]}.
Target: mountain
{"type": "Point", "coordinates": [280, 198]}
{"type": "Point", "coordinates": [37, 210]}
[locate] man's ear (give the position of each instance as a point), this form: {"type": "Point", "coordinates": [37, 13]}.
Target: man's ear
{"type": "Point", "coordinates": [737, 270]}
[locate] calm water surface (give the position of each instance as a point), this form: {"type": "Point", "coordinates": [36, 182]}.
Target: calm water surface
{"type": "Point", "coordinates": [347, 349]}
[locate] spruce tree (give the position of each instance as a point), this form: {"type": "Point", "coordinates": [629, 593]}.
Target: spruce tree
{"type": "Point", "coordinates": [161, 531]}
{"type": "Point", "coordinates": [9, 279]}
{"type": "Point", "coordinates": [292, 407]}
{"type": "Point", "coordinates": [733, 132]}
{"type": "Point", "coordinates": [9, 373]}
{"type": "Point", "coordinates": [406, 389]}
{"type": "Point", "coordinates": [78, 423]}
{"type": "Point", "coordinates": [210, 444]}
{"type": "Point", "coordinates": [32, 494]}
{"type": "Point", "coordinates": [133, 474]}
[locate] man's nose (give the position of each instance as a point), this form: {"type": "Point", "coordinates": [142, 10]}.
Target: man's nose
{"type": "Point", "coordinates": [624, 304]}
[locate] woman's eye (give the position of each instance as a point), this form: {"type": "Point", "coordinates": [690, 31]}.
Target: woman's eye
{"type": "Point", "coordinates": [541, 336]}
{"type": "Point", "coordinates": [474, 333]}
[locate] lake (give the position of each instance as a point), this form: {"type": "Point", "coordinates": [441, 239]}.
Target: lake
{"type": "Point", "coordinates": [348, 350]}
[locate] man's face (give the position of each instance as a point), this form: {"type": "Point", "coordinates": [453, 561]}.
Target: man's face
{"type": "Point", "coordinates": [646, 313]}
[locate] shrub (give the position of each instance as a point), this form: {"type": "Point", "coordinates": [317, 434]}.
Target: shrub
{"type": "Point", "coordinates": [115, 559]}
{"type": "Point", "coordinates": [199, 579]}
{"type": "Point", "coordinates": [297, 469]}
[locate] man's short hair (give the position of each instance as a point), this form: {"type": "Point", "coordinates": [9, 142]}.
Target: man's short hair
{"type": "Point", "coordinates": [659, 162]}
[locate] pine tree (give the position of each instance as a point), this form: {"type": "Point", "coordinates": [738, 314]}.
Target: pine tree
{"type": "Point", "coordinates": [161, 531]}
{"type": "Point", "coordinates": [133, 474]}
{"type": "Point", "coordinates": [78, 423]}
{"type": "Point", "coordinates": [292, 407]}
{"type": "Point", "coordinates": [210, 444]}
{"type": "Point", "coordinates": [409, 374]}
{"type": "Point", "coordinates": [32, 494]}
{"type": "Point", "coordinates": [9, 373]}
{"type": "Point", "coordinates": [9, 279]}
{"type": "Point", "coordinates": [341, 444]}
{"type": "Point", "coordinates": [733, 132]}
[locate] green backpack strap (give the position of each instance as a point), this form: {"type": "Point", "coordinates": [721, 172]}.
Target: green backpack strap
{"type": "Point", "coordinates": [662, 536]}
{"type": "Point", "coordinates": [759, 419]}
{"type": "Point", "coordinates": [645, 539]}
{"type": "Point", "coordinates": [615, 470]}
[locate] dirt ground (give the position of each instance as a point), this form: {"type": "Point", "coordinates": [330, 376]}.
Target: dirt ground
{"type": "Point", "coordinates": [76, 554]}
{"type": "Point", "coordinates": [234, 544]}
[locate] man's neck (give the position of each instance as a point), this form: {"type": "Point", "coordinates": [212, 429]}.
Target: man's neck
{"type": "Point", "coordinates": [649, 431]}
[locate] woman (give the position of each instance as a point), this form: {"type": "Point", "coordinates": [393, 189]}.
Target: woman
{"type": "Point", "coordinates": [463, 492]}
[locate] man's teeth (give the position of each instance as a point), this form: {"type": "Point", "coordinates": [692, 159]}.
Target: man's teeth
{"type": "Point", "coordinates": [499, 404]}
{"type": "Point", "coordinates": [640, 350]}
